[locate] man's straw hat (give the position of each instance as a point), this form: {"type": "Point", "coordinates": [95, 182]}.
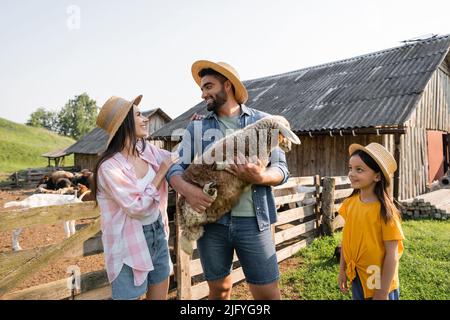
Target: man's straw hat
{"type": "Point", "coordinates": [227, 71]}
{"type": "Point", "coordinates": [112, 114]}
{"type": "Point", "coordinates": [382, 157]}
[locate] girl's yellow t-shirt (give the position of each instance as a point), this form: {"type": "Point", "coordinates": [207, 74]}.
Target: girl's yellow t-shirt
{"type": "Point", "coordinates": [362, 242]}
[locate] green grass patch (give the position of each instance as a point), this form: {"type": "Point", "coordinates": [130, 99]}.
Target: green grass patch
{"type": "Point", "coordinates": [21, 146]}
{"type": "Point", "coordinates": [424, 267]}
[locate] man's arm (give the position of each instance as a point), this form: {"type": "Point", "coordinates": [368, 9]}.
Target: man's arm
{"type": "Point", "coordinates": [193, 194]}
{"type": "Point", "coordinates": [254, 172]}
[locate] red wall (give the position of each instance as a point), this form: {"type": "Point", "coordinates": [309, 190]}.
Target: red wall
{"type": "Point", "coordinates": [435, 155]}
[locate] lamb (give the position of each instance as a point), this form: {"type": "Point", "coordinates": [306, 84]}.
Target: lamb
{"type": "Point", "coordinates": [41, 200]}
{"type": "Point", "coordinates": [257, 139]}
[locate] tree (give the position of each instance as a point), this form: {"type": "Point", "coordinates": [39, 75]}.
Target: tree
{"type": "Point", "coordinates": [77, 117]}
{"type": "Point", "coordinates": [43, 118]}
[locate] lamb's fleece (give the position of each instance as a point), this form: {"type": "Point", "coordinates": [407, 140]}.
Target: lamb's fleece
{"type": "Point", "coordinates": [222, 186]}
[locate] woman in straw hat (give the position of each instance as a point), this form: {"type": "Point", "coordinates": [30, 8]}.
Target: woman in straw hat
{"type": "Point", "coordinates": [131, 191]}
{"type": "Point", "coordinates": [372, 240]}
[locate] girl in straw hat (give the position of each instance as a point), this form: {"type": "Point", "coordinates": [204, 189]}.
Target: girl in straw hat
{"type": "Point", "coordinates": [131, 192]}
{"type": "Point", "coordinates": [372, 236]}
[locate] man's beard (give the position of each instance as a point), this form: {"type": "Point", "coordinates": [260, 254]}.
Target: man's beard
{"type": "Point", "coordinates": [218, 100]}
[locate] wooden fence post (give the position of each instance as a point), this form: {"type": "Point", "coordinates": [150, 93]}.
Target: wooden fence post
{"type": "Point", "coordinates": [328, 205]}
{"type": "Point", "coordinates": [16, 175]}
{"type": "Point", "coordinates": [183, 273]}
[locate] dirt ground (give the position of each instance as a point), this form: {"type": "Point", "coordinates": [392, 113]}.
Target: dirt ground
{"type": "Point", "coordinates": [43, 235]}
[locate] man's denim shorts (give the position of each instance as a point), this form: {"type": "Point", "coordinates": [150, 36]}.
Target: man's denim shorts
{"type": "Point", "coordinates": [358, 293]}
{"type": "Point", "coordinates": [255, 250]}
{"type": "Point", "coordinates": [123, 287]}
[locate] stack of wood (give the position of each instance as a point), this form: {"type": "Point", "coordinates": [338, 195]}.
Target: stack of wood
{"type": "Point", "coordinates": [421, 209]}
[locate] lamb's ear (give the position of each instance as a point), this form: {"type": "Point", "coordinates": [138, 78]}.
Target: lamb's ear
{"type": "Point", "coordinates": [289, 134]}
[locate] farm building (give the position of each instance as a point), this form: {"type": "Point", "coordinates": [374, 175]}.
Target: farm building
{"type": "Point", "coordinates": [398, 97]}
{"type": "Point", "coordinates": [87, 150]}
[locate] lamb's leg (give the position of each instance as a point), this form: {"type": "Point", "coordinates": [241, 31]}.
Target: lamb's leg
{"type": "Point", "coordinates": [67, 228]}
{"type": "Point", "coordinates": [15, 239]}
{"type": "Point", "coordinates": [72, 227]}
{"type": "Point", "coordinates": [189, 235]}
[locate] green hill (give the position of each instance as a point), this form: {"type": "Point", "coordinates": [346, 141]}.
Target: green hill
{"type": "Point", "coordinates": [21, 146]}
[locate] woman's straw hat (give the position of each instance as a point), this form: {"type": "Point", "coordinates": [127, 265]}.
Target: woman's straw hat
{"type": "Point", "coordinates": [382, 157]}
{"type": "Point", "coordinates": [112, 114]}
{"type": "Point", "coordinates": [227, 71]}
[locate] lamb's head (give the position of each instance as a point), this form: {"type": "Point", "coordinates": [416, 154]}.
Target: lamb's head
{"type": "Point", "coordinates": [285, 135]}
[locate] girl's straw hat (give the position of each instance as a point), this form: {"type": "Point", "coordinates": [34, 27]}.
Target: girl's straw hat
{"type": "Point", "coordinates": [227, 71]}
{"type": "Point", "coordinates": [112, 114]}
{"type": "Point", "coordinates": [382, 157]}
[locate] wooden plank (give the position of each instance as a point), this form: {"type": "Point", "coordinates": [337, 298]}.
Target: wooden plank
{"type": "Point", "coordinates": [292, 198]}
{"type": "Point", "coordinates": [317, 204]}
{"type": "Point", "coordinates": [295, 181]}
{"type": "Point", "coordinates": [295, 214]}
{"type": "Point", "coordinates": [47, 215]}
{"type": "Point", "coordinates": [201, 290]}
{"type": "Point", "coordinates": [58, 290]}
{"type": "Point", "coordinates": [341, 180]}
{"type": "Point", "coordinates": [341, 194]}
{"type": "Point", "coordinates": [13, 259]}
{"type": "Point", "coordinates": [289, 251]}
{"type": "Point", "coordinates": [103, 293]}
{"type": "Point", "coordinates": [183, 273]}
{"type": "Point", "coordinates": [44, 257]}
{"type": "Point", "coordinates": [294, 231]}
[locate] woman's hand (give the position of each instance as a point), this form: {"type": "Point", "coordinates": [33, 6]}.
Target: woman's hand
{"type": "Point", "coordinates": [196, 117]}
{"type": "Point", "coordinates": [168, 162]}
{"type": "Point", "coordinates": [342, 282]}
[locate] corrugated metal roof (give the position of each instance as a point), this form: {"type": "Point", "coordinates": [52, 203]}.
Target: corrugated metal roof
{"type": "Point", "coordinates": [164, 115]}
{"type": "Point", "coordinates": [93, 142]}
{"type": "Point", "coordinates": [376, 89]}
{"type": "Point", "coordinates": [55, 153]}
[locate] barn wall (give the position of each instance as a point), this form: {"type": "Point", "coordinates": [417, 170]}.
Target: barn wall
{"type": "Point", "coordinates": [156, 122]}
{"type": "Point", "coordinates": [324, 155]}
{"type": "Point", "coordinates": [433, 109]}
{"type": "Point", "coordinates": [432, 114]}
{"type": "Point", "coordinates": [86, 161]}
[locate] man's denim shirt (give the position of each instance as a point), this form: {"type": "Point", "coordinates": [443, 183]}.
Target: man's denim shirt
{"type": "Point", "coordinates": [263, 199]}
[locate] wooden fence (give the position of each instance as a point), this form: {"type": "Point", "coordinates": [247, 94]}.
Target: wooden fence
{"type": "Point", "coordinates": [30, 177]}
{"type": "Point", "coordinates": [298, 202]}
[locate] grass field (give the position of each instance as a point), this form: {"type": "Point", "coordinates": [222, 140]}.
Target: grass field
{"type": "Point", "coordinates": [424, 267]}
{"type": "Point", "coordinates": [21, 146]}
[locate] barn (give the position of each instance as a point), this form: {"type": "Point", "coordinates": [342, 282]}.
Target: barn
{"type": "Point", "coordinates": [398, 97]}
{"type": "Point", "coordinates": [87, 150]}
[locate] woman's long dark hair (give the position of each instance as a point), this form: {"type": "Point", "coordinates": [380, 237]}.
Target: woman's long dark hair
{"type": "Point", "coordinates": [388, 208]}
{"type": "Point", "coordinates": [118, 143]}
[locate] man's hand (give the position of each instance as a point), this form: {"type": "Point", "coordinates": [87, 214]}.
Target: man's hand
{"type": "Point", "coordinates": [194, 195]}
{"type": "Point", "coordinates": [197, 199]}
{"type": "Point", "coordinates": [249, 171]}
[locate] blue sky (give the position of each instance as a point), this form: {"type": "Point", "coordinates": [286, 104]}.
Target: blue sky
{"type": "Point", "coordinates": [49, 53]}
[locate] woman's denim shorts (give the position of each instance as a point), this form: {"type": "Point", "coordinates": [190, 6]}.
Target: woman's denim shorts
{"type": "Point", "coordinates": [255, 250]}
{"type": "Point", "coordinates": [123, 287]}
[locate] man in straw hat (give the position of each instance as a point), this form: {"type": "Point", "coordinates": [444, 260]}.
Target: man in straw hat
{"type": "Point", "coordinates": [246, 228]}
